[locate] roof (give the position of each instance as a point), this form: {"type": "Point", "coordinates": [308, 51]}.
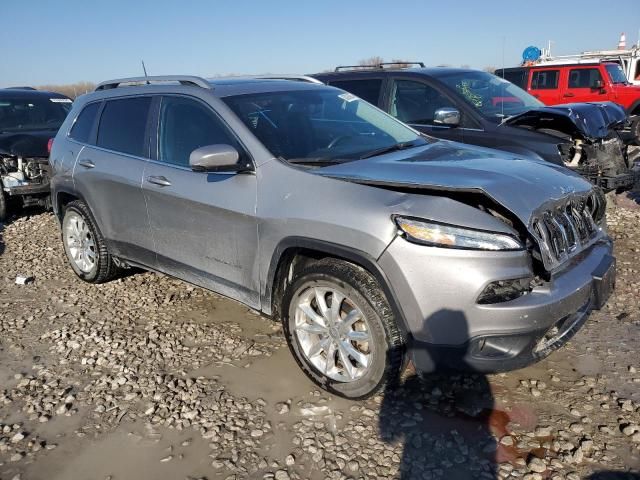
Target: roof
{"type": "Point", "coordinates": [226, 86]}
{"type": "Point", "coordinates": [373, 73]}
{"type": "Point", "coordinates": [28, 93]}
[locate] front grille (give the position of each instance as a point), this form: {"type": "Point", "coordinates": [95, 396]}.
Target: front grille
{"type": "Point", "coordinates": [568, 227]}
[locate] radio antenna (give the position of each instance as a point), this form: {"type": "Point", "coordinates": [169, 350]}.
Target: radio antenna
{"type": "Point", "coordinates": [144, 69]}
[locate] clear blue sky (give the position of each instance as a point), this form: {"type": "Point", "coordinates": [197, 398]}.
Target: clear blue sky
{"type": "Point", "coordinates": [44, 42]}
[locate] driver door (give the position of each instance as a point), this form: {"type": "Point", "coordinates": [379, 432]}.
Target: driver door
{"type": "Point", "coordinates": [415, 103]}
{"type": "Point", "coordinates": [203, 224]}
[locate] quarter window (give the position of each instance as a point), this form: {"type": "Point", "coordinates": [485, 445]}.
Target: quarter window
{"type": "Point", "coordinates": [416, 102]}
{"type": "Point", "coordinates": [123, 125]}
{"type": "Point", "coordinates": [81, 129]}
{"type": "Point", "coordinates": [583, 77]}
{"type": "Point", "coordinates": [186, 125]}
{"type": "Point", "coordinates": [545, 79]}
{"type": "Point", "coordinates": [368, 90]}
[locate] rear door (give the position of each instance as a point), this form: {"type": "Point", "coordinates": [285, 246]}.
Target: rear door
{"type": "Point", "coordinates": [581, 85]}
{"type": "Point", "coordinates": [415, 102]}
{"type": "Point", "coordinates": [544, 84]}
{"type": "Point", "coordinates": [203, 224]}
{"type": "Point", "coordinates": [108, 174]}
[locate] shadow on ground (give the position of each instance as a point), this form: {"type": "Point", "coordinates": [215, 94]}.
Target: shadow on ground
{"type": "Point", "coordinates": [445, 419]}
{"type": "Point", "coordinates": [614, 476]}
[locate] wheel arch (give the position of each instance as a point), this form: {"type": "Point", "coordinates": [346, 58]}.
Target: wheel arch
{"type": "Point", "coordinates": [634, 109]}
{"type": "Point", "coordinates": [297, 252]}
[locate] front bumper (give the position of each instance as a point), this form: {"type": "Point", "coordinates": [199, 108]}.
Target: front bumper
{"type": "Point", "coordinates": [438, 291]}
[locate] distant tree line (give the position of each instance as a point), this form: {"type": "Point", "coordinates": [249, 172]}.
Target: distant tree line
{"type": "Point", "coordinates": [71, 90]}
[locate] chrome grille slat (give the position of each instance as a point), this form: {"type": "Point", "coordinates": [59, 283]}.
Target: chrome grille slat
{"type": "Point", "coordinates": [568, 227]}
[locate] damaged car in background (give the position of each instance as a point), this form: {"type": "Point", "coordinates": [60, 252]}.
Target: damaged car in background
{"type": "Point", "coordinates": [479, 108]}
{"type": "Point", "coordinates": [29, 119]}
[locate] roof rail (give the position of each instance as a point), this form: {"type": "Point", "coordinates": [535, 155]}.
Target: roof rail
{"type": "Point", "coordinates": [286, 76]}
{"type": "Point", "coordinates": [19, 88]}
{"type": "Point", "coordinates": [377, 66]}
{"type": "Point", "coordinates": [181, 79]}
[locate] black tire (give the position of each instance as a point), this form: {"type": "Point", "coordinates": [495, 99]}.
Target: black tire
{"type": "Point", "coordinates": [388, 345]}
{"type": "Point", "coordinates": [3, 205]}
{"type": "Point", "coordinates": [104, 268]}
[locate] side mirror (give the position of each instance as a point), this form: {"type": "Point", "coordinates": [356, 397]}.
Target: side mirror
{"type": "Point", "coordinates": [447, 116]}
{"type": "Point", "coordinates": [215, 158]}
{"type": "Point", "coordinates": [597, 84]}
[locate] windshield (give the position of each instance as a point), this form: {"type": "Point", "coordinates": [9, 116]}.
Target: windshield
{"type": "Point", "coordinates": [323, 125]}
{"type": "Point", "coordinates": [493, 97]}
{"type": "Point", "coordinates": [24, 113]}
{"type": "Point", "coordinates": [616, 74]}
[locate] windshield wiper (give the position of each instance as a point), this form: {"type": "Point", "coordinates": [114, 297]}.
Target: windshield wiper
{"type": "Point", "coordinates": [391, 148]}
{"type": "Point", "coordinates": [314, 161]}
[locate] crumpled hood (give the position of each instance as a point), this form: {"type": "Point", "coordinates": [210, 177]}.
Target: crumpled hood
{"type": "Point", "coordinates": [29, 143]}
{"type": "Point", "coordinates": [520, 185]}
{"type": "Point", "coordinates": [591, 120]}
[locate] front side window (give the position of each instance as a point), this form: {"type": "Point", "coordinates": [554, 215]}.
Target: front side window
{"type": "Point", "coordinates": [416, 102]}
{"type": "Point", "coordinates": [83, 125]}
{"type": "Point", "coordinates": [123, 125]}
{"type": "Point", "coordinates": [186, 125]}
{"type": "Point", "coordinates": [583, 77]}
{"type": "Point", "coordinates": [492, 97]}
{"type": "Point", "coordinates": [21, 113]}
{"type": "Point", "coordinates": [545, 79]}
{"type": "Point", "coordinates": [320, 125]}
{"type": "Point", "coordinates": [367, 89]}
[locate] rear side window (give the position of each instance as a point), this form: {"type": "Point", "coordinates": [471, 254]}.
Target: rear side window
{"type": "Point", "coordinates": [583, 77]}
{"type": "Point", "coordinates": [545, 79]}
{"type": "Point", "coordinates": [517, 77]}
{"type": "Point", "coordinates": [367, 89]}
{"type": "Point", "coordinates": [186, 125]}
{"type": "Point", "coordinates": [123, 125]}
{"type": "Point", "coordinates": [81, 129]}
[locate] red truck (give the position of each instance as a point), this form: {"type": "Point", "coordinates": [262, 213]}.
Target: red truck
{"type": "Point", "coordinates": [579, 81]}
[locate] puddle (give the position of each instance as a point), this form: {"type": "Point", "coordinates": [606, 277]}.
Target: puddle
{"type": "Point", "coordinates": [130, 452]}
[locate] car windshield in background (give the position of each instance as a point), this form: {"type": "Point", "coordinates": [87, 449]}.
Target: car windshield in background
{"type": "Point", "coordinates": [616, 74]}
{"type": "Point", "coordinates": [321, 125]}
{"type": "Point", "coordinates": [495, 98]}
{"type": "Point", "coordinates": [24, 113]}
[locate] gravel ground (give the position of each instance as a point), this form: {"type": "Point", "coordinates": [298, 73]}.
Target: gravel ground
{"type": "Point", "coordinates": [148, 377]}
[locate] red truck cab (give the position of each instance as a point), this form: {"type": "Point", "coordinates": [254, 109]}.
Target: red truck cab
{"type": "Point", "coordinates": [576, 82]}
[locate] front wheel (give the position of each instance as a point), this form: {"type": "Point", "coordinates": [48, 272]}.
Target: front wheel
{"type": "Point", "coordinates": [340, 329]}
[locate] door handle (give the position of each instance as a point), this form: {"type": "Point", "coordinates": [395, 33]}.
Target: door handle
{"type": "Point", "coordinates": [162, 181]}
{"type": "Point", "coordinates": [569, 94]}
{"type": "Point", "coordinates": [86, 163]}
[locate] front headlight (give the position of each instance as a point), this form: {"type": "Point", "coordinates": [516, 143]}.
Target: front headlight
{"type": "Point", "coordinates": [439, 235]}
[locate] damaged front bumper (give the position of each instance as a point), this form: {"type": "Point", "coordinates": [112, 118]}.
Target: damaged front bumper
{"type": "Point", "coordinates": [451, 330]}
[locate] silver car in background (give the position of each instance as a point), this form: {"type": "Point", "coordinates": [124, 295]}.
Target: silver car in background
{"type": "Point", "coordinates": [372, 243]}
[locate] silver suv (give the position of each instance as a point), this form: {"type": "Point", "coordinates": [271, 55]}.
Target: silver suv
{"type": "Point", "coordinates": [372, 243]}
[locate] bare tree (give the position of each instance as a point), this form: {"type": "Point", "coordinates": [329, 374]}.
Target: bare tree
{"type": "Point", "coordinates": [71, 90]}
{"type": "Point", "coordinates": [489, 68]}
{"type": "Point", "coordinates": [371, 61]}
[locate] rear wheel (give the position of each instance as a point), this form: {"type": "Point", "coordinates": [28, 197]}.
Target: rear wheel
{"type": "Point", "coordinates": [84, 245]}
{"type": "Point", "coordinates": [341, 330]}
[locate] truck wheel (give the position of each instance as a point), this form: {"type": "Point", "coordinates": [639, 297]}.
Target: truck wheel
{"type": "Point", "coordinates": [3, 205]}
{"type": "Point", "coordinates": [84, 245]}
{"type": "Point", "coordinates": [341, 330]}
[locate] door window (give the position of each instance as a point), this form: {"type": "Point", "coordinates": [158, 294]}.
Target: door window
{"type": "Point", "coordinates": [84, 123]}
{"type": "Point", "coordinates": [123, 125]}
{"type": "Point", "coordinates": [545, 79]}
{"type": "Point", "coordinates": [416, 102]}
{"type": "Point", "coordinates": [367, 89]}
{"type": "Point", "coordinates": [583, 77]}
{"type": "Point", "coordinates": [186, 125]}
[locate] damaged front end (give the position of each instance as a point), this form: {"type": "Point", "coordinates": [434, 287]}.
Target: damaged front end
{"type": "Point", "coordinates": [590, 140]}
{"type": "Point", "coordinates": [25, 178]}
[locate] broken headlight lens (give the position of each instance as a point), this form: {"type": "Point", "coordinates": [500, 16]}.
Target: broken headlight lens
{"type": "Point", "coordinates": [439, 235]}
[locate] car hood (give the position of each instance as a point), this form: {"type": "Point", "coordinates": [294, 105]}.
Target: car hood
{"type": "Point", "coordinates": [26, 143]}
{"type": "Point", "coordinates": [520, 185]}
{"type": "Point", "coordinates": [592, 120]}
